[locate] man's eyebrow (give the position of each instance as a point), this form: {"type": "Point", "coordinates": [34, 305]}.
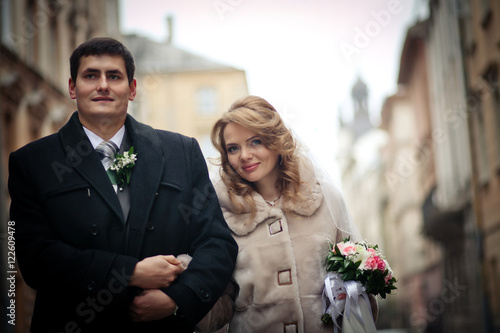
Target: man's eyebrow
{"type": "Point", "coordinates": [95, 70]}
{"type": "Point", "coordinates": [92, 70]}
{"type": "Point", "coordinates": [114, 71]}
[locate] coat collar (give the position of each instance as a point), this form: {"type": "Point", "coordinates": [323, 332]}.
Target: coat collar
{"type": "Point", "coordinates": [242, 224]}
{"type": "Point", "coordinates": [81, 156]}
{"type": "Point", "coordinates": [146, 174]}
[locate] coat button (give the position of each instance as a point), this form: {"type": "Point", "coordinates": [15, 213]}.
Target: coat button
{"type": "Point", "coordinates": [94, 229]}
{"type": "Point", "coordinates": [91, 285]}
{"type": "Point", "coordinates": [204, 293]}
{"type": "Point", "coordinates": [150, 226]}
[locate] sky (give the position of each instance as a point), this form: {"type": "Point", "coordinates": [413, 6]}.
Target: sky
{"type": "Point", "coordinates": [303, 56]}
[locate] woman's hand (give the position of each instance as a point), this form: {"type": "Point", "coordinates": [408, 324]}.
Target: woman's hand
{"type": "Point", "coordinates": [156, 272]}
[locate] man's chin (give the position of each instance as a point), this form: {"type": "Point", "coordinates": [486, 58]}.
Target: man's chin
{"type": "Point", "coordinates": [102, 115]}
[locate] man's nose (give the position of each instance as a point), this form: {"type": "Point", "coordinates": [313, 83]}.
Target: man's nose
{"type": "Point", "coordinates": [103, 84]}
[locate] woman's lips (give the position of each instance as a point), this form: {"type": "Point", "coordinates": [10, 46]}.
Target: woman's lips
{"type": "Point", "coordinates": [250, 167]}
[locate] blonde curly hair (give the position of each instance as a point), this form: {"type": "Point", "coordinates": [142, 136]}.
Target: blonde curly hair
{"type": "Point", "coordinates": [257, 115]}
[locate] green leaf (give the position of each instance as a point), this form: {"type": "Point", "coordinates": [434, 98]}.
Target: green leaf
{"type": "Point", "coordinates": [326, 318]}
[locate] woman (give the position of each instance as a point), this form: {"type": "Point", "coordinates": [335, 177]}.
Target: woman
{"type": "Point", "coordinates": [283, 213]}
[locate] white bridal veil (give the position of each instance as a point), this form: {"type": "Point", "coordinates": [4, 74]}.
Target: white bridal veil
{"type": "Point", "coordinates": [332, 195]}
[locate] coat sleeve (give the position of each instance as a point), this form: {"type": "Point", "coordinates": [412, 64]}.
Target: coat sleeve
{"type": "Point", "coordinates": [44, 260]}
{"type": "Point", "coordinates": [212, 248]}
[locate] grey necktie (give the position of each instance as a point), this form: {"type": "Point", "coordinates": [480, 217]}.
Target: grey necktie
{"type": "Point", "coordinates": [107, 151]}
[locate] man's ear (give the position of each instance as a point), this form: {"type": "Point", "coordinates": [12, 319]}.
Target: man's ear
{"type": "Point", "coordinates": [133, 90]}
{"type": "Point", "coordinates": [72, 88]}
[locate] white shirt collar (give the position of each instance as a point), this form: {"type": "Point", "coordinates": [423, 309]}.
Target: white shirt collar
{"type": "Point", "coordinates": [95, 139]}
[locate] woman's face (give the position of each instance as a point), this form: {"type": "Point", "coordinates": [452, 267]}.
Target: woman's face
{"type": "Point", "coordinates": [249, 157]}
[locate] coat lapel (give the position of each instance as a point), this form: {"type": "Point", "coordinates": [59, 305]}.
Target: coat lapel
{"type": "Point", "coordinates": [145, 180]}
{"type": "Point", "coordinates": [82, 157]}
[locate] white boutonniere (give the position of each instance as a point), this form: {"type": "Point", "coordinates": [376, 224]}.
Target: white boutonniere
{"type": "Point", "coordinates": [123, 165]}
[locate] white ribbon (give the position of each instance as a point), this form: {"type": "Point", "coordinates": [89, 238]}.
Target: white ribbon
{"type": "Point", "coordinates": [341, 296]}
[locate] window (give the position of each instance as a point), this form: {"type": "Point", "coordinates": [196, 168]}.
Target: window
{"type": "Point", "coordinates": [207, 104]}
{"type": "Point", "coordinates": [496, 115]}
{"type": "Point", "coordinates": [480, 145]}
{"type": "Point", "coordinates": [6, 21]}
{"type": "Point", "coordinates": [491, 79]}
{"type": "Point", "coordinates": [485, 12]}
{"type": "Point", "coordinates": [30, 38]}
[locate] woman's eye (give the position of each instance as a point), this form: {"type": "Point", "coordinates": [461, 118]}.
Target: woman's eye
{"type": "Point", "coordinates": [231, 149]}
{"type": "Point", "coordinates": [256, 142]}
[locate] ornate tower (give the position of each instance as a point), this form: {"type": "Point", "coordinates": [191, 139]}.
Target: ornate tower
{"type": "Point", "coordinates": [361, 123]}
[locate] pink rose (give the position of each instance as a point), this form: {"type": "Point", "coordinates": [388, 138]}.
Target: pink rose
{"type": "Point", "coordinates": [347, 248]}
{"type": "Point", "coordinates": [371, 263]}
{"type": "Point", "coordinates": [381, 264]}
{"type": "Point", "coordinates": [375, 262]}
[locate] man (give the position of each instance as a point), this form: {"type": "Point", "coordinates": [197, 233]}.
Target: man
{"type": "Point", "coordinates": [100, 249]}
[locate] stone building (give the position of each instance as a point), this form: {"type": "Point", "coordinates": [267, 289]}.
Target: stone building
{"type": "Point", "coordinates": [440, 200]}
{"type": "Point", "coordinates": [449, 213]}
{"type": "Point", "coordinates": [409, 175]}
{"type": "Point", "coordinates": [180, 91]}
{"type": "Point", "coordinates": [480, 22]}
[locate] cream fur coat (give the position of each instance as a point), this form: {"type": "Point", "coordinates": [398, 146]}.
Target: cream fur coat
{"type": "Point", "coordinates": [280, 264]}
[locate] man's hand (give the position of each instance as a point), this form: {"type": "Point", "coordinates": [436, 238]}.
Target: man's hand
{"type": "Point", "coordinates": [155, 272]}
{"type": "Point", "coordinates": [151, 304]}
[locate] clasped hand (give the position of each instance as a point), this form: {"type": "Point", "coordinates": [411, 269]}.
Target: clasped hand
{"type": "Point", "coordinates": [151, 274]}
{"type": "Point", "coordinates": [156, 272]}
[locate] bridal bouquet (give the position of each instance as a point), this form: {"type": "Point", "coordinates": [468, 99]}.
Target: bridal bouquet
{"type": "Point", "coordinates": [355, 269]}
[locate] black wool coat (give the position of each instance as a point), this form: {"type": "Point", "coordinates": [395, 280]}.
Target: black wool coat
{"type": "Point", "coordinates": [76, 250]}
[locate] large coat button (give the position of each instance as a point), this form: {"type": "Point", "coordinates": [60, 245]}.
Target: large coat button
{"type": "Point", "coordinates": [285, 277]}
{"type": "Point", "coordinates": [91, 285]}
{"type": "Point", "coordinates": [94, 229]}
{"type": "Point", "coordinates": [204, 293]}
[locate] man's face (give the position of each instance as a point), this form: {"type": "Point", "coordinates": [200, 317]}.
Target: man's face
{"type": "Point", "coordinates": [101, 89]}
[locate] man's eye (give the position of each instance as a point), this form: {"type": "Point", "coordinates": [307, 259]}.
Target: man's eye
{"type": "Point", "coordinates": [90, 76]}
{"type": "Point", "coordinates": [114, 77]}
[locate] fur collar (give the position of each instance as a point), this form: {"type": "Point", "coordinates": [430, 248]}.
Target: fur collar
{"type": "Point", "coordinates": [241, 224]}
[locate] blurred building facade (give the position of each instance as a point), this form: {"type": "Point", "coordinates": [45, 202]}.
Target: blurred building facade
{"type": "Point", "coordinates": [413, 258]}
{"type": "Point", "coordinates": [480, 40]}
{"type": "Point", "coordinates": [180, 91]}
{"type": "Point", "coordinates": [448, 209]}
{"type": "Point", "coordinates": [440, 173]}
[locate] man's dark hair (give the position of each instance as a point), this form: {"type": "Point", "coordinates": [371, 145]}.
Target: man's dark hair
{"type": "Point", "coordinates": [102, 46]}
